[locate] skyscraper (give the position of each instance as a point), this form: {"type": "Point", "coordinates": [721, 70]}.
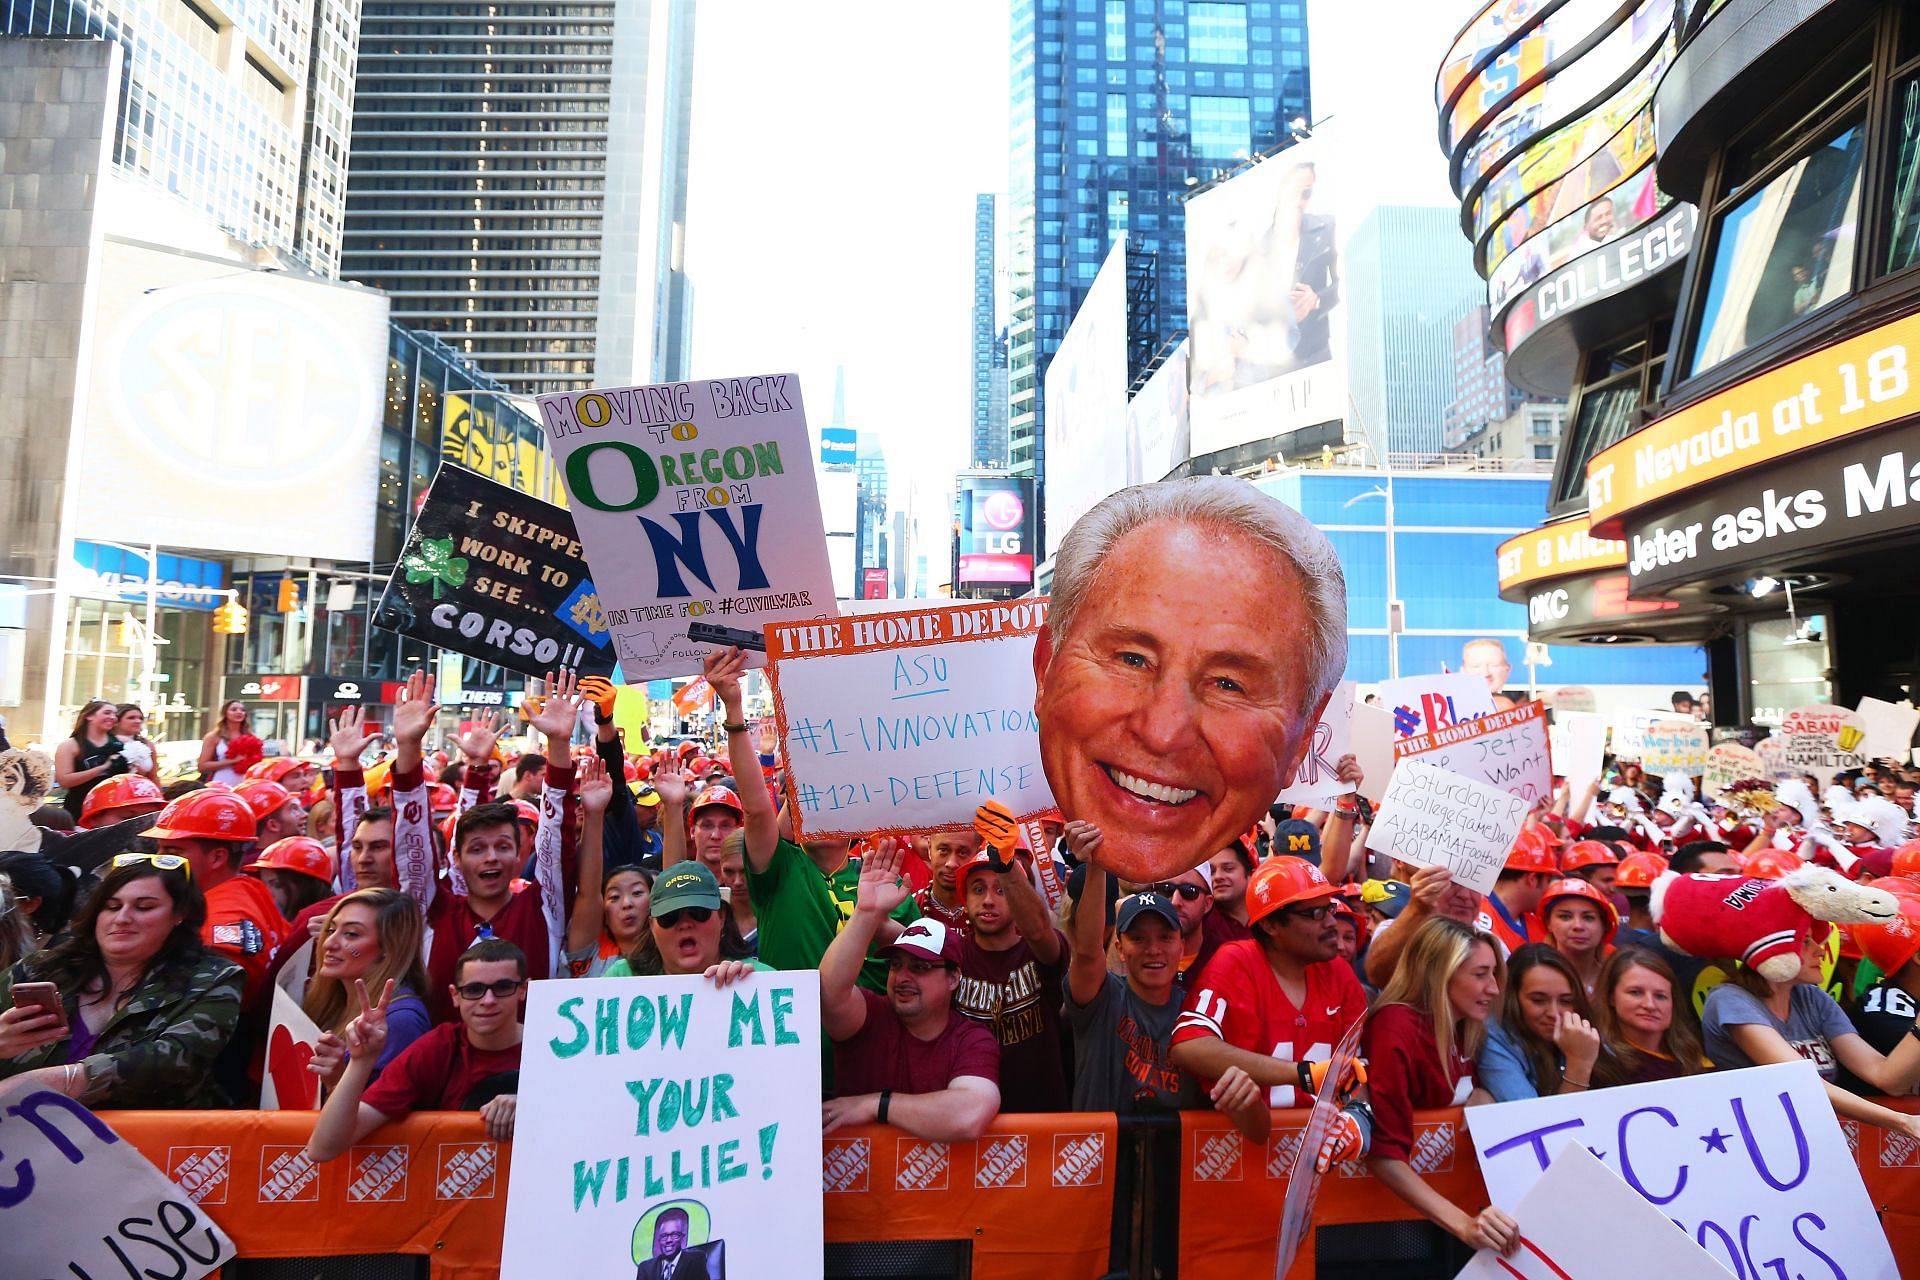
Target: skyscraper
{"type": "Point", "coordinates": [989, 445]}
{"type": "Point", "coordinates": [518, 182]}
{"type": "Point", "coordinates": [869, 542]}
{"type": "Point", "coordinates": [1118, 106]}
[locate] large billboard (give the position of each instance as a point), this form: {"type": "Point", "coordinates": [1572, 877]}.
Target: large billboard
{"type": "Point", "coordinates": [1267, 328]}
{"type": "Point", "coordinates": [231, 410]}
{"type": "Point", "coordinates": [996, 531]}
{"type": "Point", "coordinates": [1086, 401]}
{"type": "Point", "coordinates": [1159, 431]}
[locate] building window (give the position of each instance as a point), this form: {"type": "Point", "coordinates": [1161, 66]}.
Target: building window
{"type": "Point", "coordinates": [1116, 124]}
{"type": "Point", "coordinates": [1116, 30]}
{"type": "Point", "coordinates": [1116, 214]}
{"type": "Point", "coordinates": [1216, 32]}
{"type": "Point", "coordinates": [1222, 127]}
{"type": "Point", "coordinates": [1619, 377]}
{"type": "Point", "coordinates": [1783, 250]}
{"type": "Point", "coordinates": [1903, 221]}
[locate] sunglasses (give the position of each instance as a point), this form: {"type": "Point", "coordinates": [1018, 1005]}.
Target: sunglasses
{"type": "Point", "coordinates": [164, 861]}
{"type": "Point", "coordinates": [480, 990]}
{"type": "Point", "coordinates": [1187, 890]}
{"type": "Point", "coordinates": [1315, 914]}
{"type": "Point", "coordinates": [671, 920]}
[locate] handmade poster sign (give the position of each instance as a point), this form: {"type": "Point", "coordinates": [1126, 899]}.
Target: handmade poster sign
{"type": "Point", "coordinates": [909, 721]}
{"type": "Point", "coordinates": [1431, 817]}
{"type": "Point", "coordinates": [1887, 728]}
{"type": "Point", "coordinates": [1674, 746]}
{"type": "Point", "coordinates": [498, 575]}
{"type": "Point", "coordinates": [1372, 746]}
{"type": "Point", "coordinates": [1823, 740]}
{"type": "Point", "coordinates": [1507, 750]}
{"type": "Point", "coordinates": [1750, 1164]}
{"type": "Point", "coordinates": [1728, 763]}
{"type": "Point", "coordinates": [1303, 1177]}
{"type": "Point", "coordinates": [1557, 1218]}
{"type": "Point", "coordinates": [696, 502]}
{"type": "Point", "coordinates": [1421, 704]}
{"type": "Point", "coordinates": [1579, 748]}
{"type": "Point", "coordinates": [286, 1084]}
{"type": "Point", "coordinates": [667, 1120]}
{"type": "Point", "coordinates": [78, 1201]}
{"type": "Point", "coordinates": [1318, 777]}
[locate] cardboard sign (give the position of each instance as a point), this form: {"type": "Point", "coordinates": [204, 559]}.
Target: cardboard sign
{"type": "Point", "coordinates": [1372, 747]}
{"type": "Point", "coordinates": [1823, 740]}
{"type": "Point", "coordinates": [1506, 750]}
{"type": "Point", "coordinates": [1887, 727]}
{"type": "Point", "coordinates": [1751, 1164]}
{"type": "Point", "coordinates": [1728, 763]}
{"type": "Point", "coordinates": [909, 721]}
{"type": "Point", "coordinates": [1578, 744]}
{"type": "Point", "coordinates": [286, 1084]}
{"type": "Point", "coordinates": [1674, 746]}
{"type": "Point", "coordinates": [1630, 730]}
{"type": "Point", "coordinates": [80, 1202]}
{"type": "Point", "coordinates": [1557, 1219]}
{"type": "Point", "coordinates": [1433, 818]}
{"type": "Point", "coordinates": [1303, 1178]}
{"type": "Point", "coordinates": [498, 575]}
{"type": "Point", "coordinates": [696, 502]}
{"type": "Point", "coordinates": [665, 1117]}
{"type": "Point", "coordinates": [1318, 776]}
{"type": "Point", "coordinates": [1421, 704]}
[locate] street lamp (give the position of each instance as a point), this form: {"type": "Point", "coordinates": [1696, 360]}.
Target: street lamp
{"type": "Point", "coordinates": [1396, 608]}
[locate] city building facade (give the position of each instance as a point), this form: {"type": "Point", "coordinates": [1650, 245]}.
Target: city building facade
{"type": "Point", "coordinates": [870, 522]}
{"type": "Point", "coordinates": [1481, 392]}
{"type": "Point", "coordinates": [988, 443]}
{"type": "Point", "coordinates": [1529, 437]}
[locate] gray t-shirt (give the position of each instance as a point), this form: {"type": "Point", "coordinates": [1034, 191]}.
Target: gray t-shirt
{"type": "Point", "coordinates": [1813, 1022]}
{"type": "Point", "coordinates": [1120, 1047]}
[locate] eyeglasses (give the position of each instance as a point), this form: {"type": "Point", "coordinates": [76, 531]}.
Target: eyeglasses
{"type": "Point", "coordinates": [920, 967]}
{"type": "Point", "coordinates": [164, 861]}
{"type": "Point", "coordinates": [1315, 914]}
{"type": "Point", "coordinates": [479, 990]}
{"type": "Point", "coordinates": [1187, 889]}
{"type": "Point", "coordinates": [671, 920]}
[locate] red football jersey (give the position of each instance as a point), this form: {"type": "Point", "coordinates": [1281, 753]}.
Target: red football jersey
{"type": "Point", "coordinates": [1238, 999]}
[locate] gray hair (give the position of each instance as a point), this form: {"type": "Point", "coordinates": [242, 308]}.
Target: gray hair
{"type": "Point", "coordinates": [1229, 506]}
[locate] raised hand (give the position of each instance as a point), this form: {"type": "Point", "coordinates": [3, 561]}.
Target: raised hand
{"type": "Point", "coordinates": [883, 885]}
{"type": "Point", "coordinates": [594, 785]}
{"type": "Point", "coordinates": [350, 736]}
{"type": "Point", "coordinates": [329, 1058]}
{"type": "Point", "coordinates": [1579, 1042]}
{"type": "Point", "coordinates": [366, 1035]}
{"type": "Point", "coordinates": [600, 692]}
{"type": "Point", "coordinates": [416, 710]}
{"type": "Point", "coordinates": [1349, 770]}
{"type": "Point", "coordinates": [1430, 885]}
{"type": "Point", "coordinates": [996, 825]}
{"type": "Point", "coordinates": [1083, 840]}
{"type": "Point", "coordinates": [723, 668]}
{"type": "Point", "coordinates": [672, 786]}
{"type": "Point", "coordinates": [477, 743]}
{"type": "Point", "coordinates": [559, 706]}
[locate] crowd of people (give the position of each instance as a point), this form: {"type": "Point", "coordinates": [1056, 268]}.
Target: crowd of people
{"type": "Point", "coordinates": [997, 967]}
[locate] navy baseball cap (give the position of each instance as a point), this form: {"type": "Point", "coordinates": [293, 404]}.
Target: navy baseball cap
{"type": "Point", "coordinates": [1134, 905]}
{"type": "Point", "coordinates": [1298, 838]}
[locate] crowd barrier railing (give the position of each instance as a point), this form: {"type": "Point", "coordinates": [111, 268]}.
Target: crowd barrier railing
{"type": "Point", "coordinates": [1038, 1197]}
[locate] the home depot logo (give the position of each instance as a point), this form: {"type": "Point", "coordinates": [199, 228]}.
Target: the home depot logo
{"type": "Point", "coordinates": [466, 1171]}
{"type": "Point", "coordinates": [920, 1166]}
{"type": "Point", "coordinates": [846, 1164]}
{"type": "Point", "coordinates": [1002, 1162]}
{"type": "Point", "coordinates": [1898, 1151]}
{"type": "Point", "coordinates": [201, 1172]}
{"type": "Point", "coordinates": [1852, 1129]}
{"type": "Point", "coordinates": [287, 1176]}
{"type": "Point", "coordinates": [1432, 1148]}
{"type": "Point", "coordinates": [1283, 1148]}
{"type": "Point", "coordinates": [377, 1174]}
{"type": "Point", "coordinates": [1216, 1157]}
{"type": "Point", "coordinates": [1079, 1159]}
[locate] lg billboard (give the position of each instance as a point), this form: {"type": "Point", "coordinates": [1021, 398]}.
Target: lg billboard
{"type": "Point", "coordinates": [996, 531]}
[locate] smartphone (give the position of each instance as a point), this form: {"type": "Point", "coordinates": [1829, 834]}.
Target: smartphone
{"type": "Point", "coordinates": [709, 633]}
{"type": "Point", "coordinates": [39, 995]}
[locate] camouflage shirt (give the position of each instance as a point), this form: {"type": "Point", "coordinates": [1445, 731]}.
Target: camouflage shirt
{"type": "Point", "coordinates": [156, 1052]}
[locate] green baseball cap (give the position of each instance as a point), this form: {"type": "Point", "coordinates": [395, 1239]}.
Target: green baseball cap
{"type": "Point", "coordinates": [686, 884]}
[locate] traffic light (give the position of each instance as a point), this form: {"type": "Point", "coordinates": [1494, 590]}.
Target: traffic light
{"type": "Point", "coordinates": [230, 619]}
{"type": "Point", "coordinates": [289, 599]}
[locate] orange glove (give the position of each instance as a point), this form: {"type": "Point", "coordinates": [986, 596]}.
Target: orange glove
{"type": "Point", "coordinates": [1314, 1074]}
{"type": "Point", "coordinates": [599, 691]}
{"type": "Point", "coordinates": [1344, 1142]}
{"type": "Point", "coordinates": [996, 825]}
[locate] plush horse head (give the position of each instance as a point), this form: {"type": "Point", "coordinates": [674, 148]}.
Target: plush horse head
{"type": "Point", "coordinates": [1763, 924]}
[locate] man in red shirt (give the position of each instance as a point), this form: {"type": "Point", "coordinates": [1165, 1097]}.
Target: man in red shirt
{"type": "Point", "coordinates": [457, 1066]}
{"type": "Point", "coordinates": [905, 1059]}
{"type": "Point", "coordinates": [1270, 1010]}
{"type": "Point", "coordinates": [947, 853]}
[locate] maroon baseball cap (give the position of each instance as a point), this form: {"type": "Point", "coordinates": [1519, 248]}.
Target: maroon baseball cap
{"type": "Point", "coordinates": [928, 939]}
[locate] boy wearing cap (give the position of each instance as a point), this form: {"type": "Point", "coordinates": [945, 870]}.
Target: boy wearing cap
{"type": "Point", "coordinates": [1270, 1010]}
{"type": "Point", "coordinates": [1011, 965]}
{"type": "Point", "coordinates": [907, 1058]}
{"type": "Point", "coordinates": [1122, 1026]}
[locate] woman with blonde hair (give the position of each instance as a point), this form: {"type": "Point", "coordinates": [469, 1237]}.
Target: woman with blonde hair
{"type": "Point", "coordinates": [373, 936]}
{"type": "Point", "coordinates": [1420, 1042]}
{"type": "Point", "coordinates": [1635, 1011]}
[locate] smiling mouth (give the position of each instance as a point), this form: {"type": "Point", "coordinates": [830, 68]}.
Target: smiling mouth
{"type": "Point", "coordinates": [1155, 792]}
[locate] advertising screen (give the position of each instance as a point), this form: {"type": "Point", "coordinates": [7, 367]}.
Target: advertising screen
{"type": "Point", "coordinates": [231, 410]}
{"type": "Point", "coordinates": [1268, 331]}
{"type": "Point", "coordinates": [996, 531]}
{"type": "Point", "coordinates": [1159, 434]}
{"type": "Point", "coordinates": [1086, 400]}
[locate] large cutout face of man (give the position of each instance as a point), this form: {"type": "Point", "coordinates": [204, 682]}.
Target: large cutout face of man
{"type": "Point", "coordinates": [1178, 694]}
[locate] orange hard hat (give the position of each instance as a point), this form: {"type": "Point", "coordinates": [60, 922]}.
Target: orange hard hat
{"type": "Point", "coordinates": [298, 854]}
{"type": "Point", "coordinates": [264, 798]}
{"type": "Point", "coordinates": [1532, 853]}
{"type": "Point", "coordinates": [1890, 945]}
{"type": "Point", "coordinates": [700, 764]}
{"type": "Point", "coordinates": [205, 814]}
{"type": "Point", "coordinates": [528, 811]}
{"type": "Point", "coordinates": [1639, 871]}
{"type": "Point", "coordinates": [1771, 864]}
{"type": "Point", "coordinates": [1574, 887]}
{"type": "Point", "coordinates": [1906, 859]}
{"type": "Point", "coordinates": [717, 795]}
{"type": "Point", "coordinates": [1588, 853]}
{"type": "Point", "coordinates": [1282, 881]}
{"type": "Point", "coordinates": [123, 792]}
{"type": "Point", "coordinates": [271, 769]}
{"type": "Point", "coordinates": [442, 798]}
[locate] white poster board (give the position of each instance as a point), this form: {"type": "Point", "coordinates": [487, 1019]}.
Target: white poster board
{"type": "Point", "coordinates": [1674, 746]}
{"type": "Point", "coordinates": [1318, 776]}
{"type": "Point", "coordinates": [286, 1084]}
{"type": "Point", "coordinates": [1580, 751]}
{"type": "Point", "coordinates": [1822, 740]}
{"type": "Point", "coordinates": [1887, 728]}
{"type": "Point", "coordinates": [1749, 1163]}
{"type": "Point", "coordinates": [651, 1098]}
{"type": "Point", "coordinates": [1728, 763]}
{"type": "Point", "coordinates": [1557, 1218]}
{"type": "Point", "coordinates": [1303, 1175]}
{"type": "Point", "coordinates": [79, 1201]}
{"type": "Point", "coordinates": [1372, 746]}
{"type": "Point", "coordinates": [1431, 817]}
{"type": "Point", "coordinates": [909, 721]}
{"type": "Point", "coordinates": [1507, 750]}
{"type": "Point", "coordinates": [1421, 704]}
{"type": "Point", "coordinates": [1630, 730]}
{"type": "Point", "coordinates": [696, 503]}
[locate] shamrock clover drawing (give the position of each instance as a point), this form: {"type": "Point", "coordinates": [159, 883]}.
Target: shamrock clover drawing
{"type": "Point", "coordinates": [436, 563]}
